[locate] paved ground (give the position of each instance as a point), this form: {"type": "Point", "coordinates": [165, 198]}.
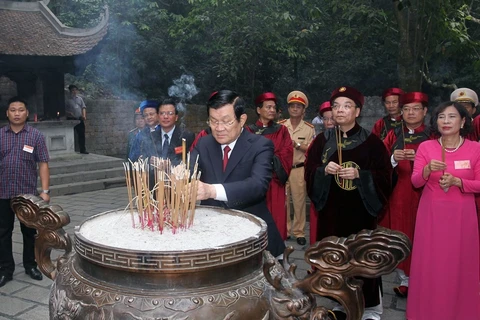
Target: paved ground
{"type": "Point", "coordinates": [27, 299]}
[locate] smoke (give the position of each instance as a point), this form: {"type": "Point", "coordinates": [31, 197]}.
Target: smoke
{"type": "Point", "coordinates": [183, 89]}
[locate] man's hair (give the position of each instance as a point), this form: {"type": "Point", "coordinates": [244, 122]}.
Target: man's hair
{"type": "Point", "coordinates": [72, 86]}
{"type": "Point", "coordinates": [168, 101]}
{"type": "Point", "coordinates": [224, 97]}
{"type": "Point", "coordinates": [17, 99]}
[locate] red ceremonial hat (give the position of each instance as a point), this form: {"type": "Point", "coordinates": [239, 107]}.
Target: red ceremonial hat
{"type": "Point", "coordinates": [324, 107]}
{"type": "Point", "coordinates": [212, 95]}
{"type": "Point", "coordinates": [348, 92]}
{"type": "Point", "coordinates": [264, 97]}
{"type": "Point", "coordinates": [411, 97]}
{"type": "Point", "coordinates": [392, 92]}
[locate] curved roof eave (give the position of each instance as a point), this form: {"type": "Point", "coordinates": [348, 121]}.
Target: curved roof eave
{"type": "Point", "coordinates": [41, 6]}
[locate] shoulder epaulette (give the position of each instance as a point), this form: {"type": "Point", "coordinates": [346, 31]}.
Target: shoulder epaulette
{"type": "Point", "coordinates": [309, 124]}
{"type": "Point", "coordinates": [282, 121]}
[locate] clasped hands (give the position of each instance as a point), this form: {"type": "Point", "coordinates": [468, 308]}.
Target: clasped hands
{"type": "Point", "coordinates": [404, 154]}
{"type": "Point", "coordinates": [344, 173]}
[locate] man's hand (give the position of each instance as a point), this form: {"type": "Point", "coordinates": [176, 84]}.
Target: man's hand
{"type": "Point", "coordinates": [399, 155]}
{"type": "Point", "coordinates": [348, 173]}
{"type": "Point", "coordinates": [332, 168]}
{"type": "Point", "coordinates": [409, 154]}
{"type": "Point", "coordinates": [205, 191]}
{"type": "Point", "coordinates": [45, 197]}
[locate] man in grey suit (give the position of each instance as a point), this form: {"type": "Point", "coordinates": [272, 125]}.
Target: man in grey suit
{"type": "Point", "coordinates": [236, 165]}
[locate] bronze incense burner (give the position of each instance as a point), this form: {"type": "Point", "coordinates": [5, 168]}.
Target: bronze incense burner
{"type": "Point", "coordinates": [236, 281]}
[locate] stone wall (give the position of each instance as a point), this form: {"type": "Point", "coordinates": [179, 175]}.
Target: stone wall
{"type": "Point", "coordinates": [109, 121]}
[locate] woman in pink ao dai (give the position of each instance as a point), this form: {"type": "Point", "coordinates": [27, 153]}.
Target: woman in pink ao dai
{"type": "Point", "coordinates": [444, 280]}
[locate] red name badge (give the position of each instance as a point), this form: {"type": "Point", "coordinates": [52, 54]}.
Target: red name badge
{"type": "Point", "coordinates": [178, 150]}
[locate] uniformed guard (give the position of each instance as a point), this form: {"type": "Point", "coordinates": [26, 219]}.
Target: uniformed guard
{"type": "Point", "coordinates": [301, 133]}
{"type": "Point", "coordinates": [467, 97]}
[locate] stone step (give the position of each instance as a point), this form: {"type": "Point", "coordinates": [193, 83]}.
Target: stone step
{"type": "Point", "coordinates": [91, 175]}
{"type": "Point", "coordinates": [85, 186]}
{"type": "Point", "coordinates": [83, 163]}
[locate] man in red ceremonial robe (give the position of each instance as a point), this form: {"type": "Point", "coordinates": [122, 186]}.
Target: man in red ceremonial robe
{"type": "Point", "coordinates": [349, 196]}
{"type": "Point", "coordinates": [392, 101]}
{"type": "Point", "coordinates": [282, 158]}
{"type": "Point", "coordinates": [402, 143]}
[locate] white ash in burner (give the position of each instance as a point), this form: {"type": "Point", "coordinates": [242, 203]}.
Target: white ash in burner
{"type": "Point", "coordinates": [211, 229]}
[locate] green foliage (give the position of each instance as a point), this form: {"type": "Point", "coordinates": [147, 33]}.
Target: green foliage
{"type": "Point", "coordinates": [279, 45]}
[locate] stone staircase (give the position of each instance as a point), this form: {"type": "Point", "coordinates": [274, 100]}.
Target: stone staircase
{"type": "Point", "coordinates": [78, 173]}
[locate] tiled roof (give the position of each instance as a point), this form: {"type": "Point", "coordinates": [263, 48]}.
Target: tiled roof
{"type": "Point", "coordinates": [30, 28]}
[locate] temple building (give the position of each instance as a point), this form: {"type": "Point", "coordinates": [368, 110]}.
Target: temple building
{"type": "Point", "coordinates": [37, 50]}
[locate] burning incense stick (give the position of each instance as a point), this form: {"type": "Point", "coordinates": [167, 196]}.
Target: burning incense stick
{"type": "Point", "coordinates": [184, 150]}
{"type": "Point", "coordinates": [128, 178]}
{"type": "Point", "coordinates": [171, 201]}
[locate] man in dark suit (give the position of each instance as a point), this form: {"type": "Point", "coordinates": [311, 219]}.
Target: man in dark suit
{"type": "Point", "coordinates": [236, 165]}
{"type": "Point", "coordinates": [171, 135]}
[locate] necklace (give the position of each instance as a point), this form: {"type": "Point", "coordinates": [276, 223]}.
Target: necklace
{"type": "Point", "coordinates": [454, 149]}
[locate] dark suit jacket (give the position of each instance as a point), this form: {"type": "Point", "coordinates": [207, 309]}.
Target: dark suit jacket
{"type": "Point", "coordinates": [246, 178]}
{"type": "Point", "coordinates": [176, 141]}
{"type": "Point", "coordinates": [146, 144]}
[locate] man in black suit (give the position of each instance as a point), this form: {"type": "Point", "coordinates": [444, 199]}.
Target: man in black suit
{"type": "Point", "coordinates": [171, 135]}
{"type": "Point", "coordinates": [236, 165]}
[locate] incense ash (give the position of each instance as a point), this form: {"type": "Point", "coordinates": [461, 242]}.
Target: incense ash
{"type": "Point", "coordinates": [212, 229]}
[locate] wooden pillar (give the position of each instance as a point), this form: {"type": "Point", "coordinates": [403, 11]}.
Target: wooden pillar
{"type": "Point", "coordinates": [53, 93]}
{"type": "Point", "coordinates": [26, 88]}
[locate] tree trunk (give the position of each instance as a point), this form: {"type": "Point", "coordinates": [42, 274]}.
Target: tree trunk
{"type": "Point", "coordinates": [409, 76]}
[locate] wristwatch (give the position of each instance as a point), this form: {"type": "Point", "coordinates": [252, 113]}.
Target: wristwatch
{"type": "Point", "coordinates": [47, 191]}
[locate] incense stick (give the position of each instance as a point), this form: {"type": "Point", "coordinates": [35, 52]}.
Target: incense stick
{"type": "Point", "coordinates": [338, 132]}
{"type": "Point", "coordinates": [184, 150]}
{"type": "Point", "coordinates": [443, 159]}
{"type": "Point", "coordinates": [171, 202]}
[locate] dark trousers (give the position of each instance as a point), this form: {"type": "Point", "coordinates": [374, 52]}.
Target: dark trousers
{"type": "Point", "coordinates": [80, 130]}
{"type": "Point", "coordinates": [7, 220]}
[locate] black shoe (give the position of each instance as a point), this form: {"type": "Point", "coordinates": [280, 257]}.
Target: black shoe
{"type": "Point", "coordinates": [84, 152]}
{"type": "Point", "coordinates": [34, 273]}
{"type": "Point", "coordinates": [4, 279]}
{"type": "Point", "coordinates": [302, 241]}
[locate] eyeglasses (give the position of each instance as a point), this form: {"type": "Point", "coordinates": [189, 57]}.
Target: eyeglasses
{"type": "Point", "coordinates": [216, 123]}
{"type": "Point", "coordinates": [414, 109]}
{"type": "Point", "coordinates": [327, 119]}
{"type": "Point", "coordinates": [345, 106]}
{"type": "Point", "coordinates": [167, 113]}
